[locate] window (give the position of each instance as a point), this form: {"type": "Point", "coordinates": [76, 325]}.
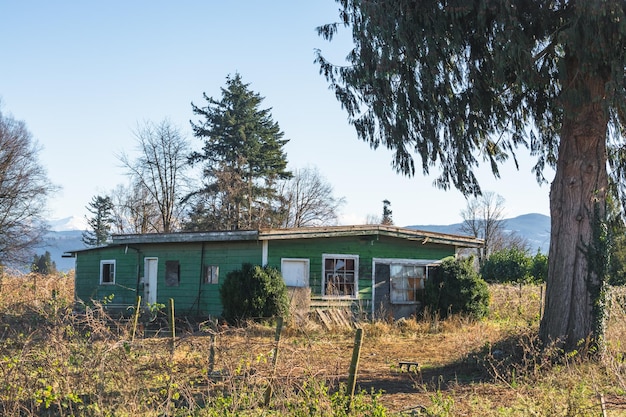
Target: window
{"type": "Point", "coordinates": [211, 274]}
{"type": "Point", "coordinates": [295, 271]}
{"type": "Point", "coordinates": [107, 272]}
{"type": "Point", "coordinates": [407, 283]}
{"type": "Point", "coordinates": [340, 275]}
{"type": "Point", "coordinates": [172, 273]}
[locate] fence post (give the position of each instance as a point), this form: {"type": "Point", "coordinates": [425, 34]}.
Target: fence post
{"type": "Point", "coordinates": [136, 318]}
{"type": "Point", "coordinates": [354, 365]}
{"type": "Point", "coordinates": [268, 391]}
{"type": "Point", "coordinates": [172, 324]}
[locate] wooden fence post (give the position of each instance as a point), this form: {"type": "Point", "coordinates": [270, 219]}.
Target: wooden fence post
{"type": "Point", "coordinates": [268, 391]}
{"type": "Point", "coordinates": [136, 318]}
{"type": "Point", "coordinates": [172, 324]}
{"type": "Point", "coordinates": [354, 365]}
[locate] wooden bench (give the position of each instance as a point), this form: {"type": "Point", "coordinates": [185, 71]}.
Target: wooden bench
{"type": "Point", "coordinates": [408, 366]}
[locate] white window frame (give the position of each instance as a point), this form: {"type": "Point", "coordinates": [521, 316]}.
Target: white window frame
{"type": "Point", "coordinates": [107, 262]}
{"type": "Point", "coordinates": [355, 293]}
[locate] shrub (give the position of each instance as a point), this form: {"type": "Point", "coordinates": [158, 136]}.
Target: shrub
{"type": "Point", "coordinates": [254, 292]}
{"type": "Point", "coordinates": [456, 287]}
{"type": "Point", "coordinates": [539, 268]}
{"type": "Point", "coordinates": [507, 265]}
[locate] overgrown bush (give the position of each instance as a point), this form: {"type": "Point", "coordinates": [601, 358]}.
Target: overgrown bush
{"type": "Point", "coordinates": [539, 268]}
{"type": "Point", "coordinates": [515, 266]}
{"type": "Point", "coordinates": [456, 287]}
{"type": "Point", "coordinates": [254, 292]}
{"type": "Point", "coordinates": [507, 265]}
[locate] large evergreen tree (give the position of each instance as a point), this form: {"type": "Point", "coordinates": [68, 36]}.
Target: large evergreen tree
{"type": "Point", "coordinates": [243, 159]}
{"type": "Point", "coordinates": [459, 82]}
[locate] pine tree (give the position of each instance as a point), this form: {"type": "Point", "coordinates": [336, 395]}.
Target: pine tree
{"type": "Point", "coordinates": [100, 224]}
{"type": "Point", "coordinates": [456, 83]}
{"type": "Point", "coordinates": [243, 159]}
{"type": "Point", "coordinates": [44, 264]}
{"type": "Point", "coordinates": [386, 219]}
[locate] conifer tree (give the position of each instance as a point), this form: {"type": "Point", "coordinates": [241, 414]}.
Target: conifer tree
{"type": "Point", "coordinates": [456, 83]}
{"type": "Point", "coordinates": [242, 157]}
{"type": "Point", "coordinates": [100, 224]}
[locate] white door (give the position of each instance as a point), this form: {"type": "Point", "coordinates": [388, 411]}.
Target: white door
{"type": "Point", "coordinates": [150, 268]}
{"type": "Point", "coordinates": [295, 272]}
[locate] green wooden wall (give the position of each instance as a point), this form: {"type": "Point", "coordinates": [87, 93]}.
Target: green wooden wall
{"type": "Point", "coordinates": [191, 296]}
{"type": "Point", "coordinates": [366, 247]}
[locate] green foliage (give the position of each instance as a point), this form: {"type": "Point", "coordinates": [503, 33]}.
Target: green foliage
{"type": "Point", "coordinates": [456, 287]}
{"type": "Point", "coordinates": [243, 159]}
{"type": "Point", "coordinates": [508, 265]}
{"type": "Point", "coordinates": [539, 268]}
{"type": "Point", "coordinates": [43, 264]}
{"type": "Point", "coordinates": [254, 292]}
{"type": "Point", "coordinates": [617, 234]}
{"type": "Point", "coordinates": [513, 265]}
{"type": "Point", "coordinates": [101, 207]}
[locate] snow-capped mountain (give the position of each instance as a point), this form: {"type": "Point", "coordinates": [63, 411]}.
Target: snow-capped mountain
{"type": "Point", "coordinates": [68, 224]}
{"type": "Point", "coordinates": [64, 235]}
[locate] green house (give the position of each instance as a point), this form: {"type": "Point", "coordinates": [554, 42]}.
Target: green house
{"type": "Point", "coordinates": [378, 269]}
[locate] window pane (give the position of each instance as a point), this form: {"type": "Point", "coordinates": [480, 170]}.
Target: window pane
{"type": "Point", "coordinates": [340, 276]}
{"type": "Point", "coordinates": [406, 282]}
{"type": "Point", "coordinates": [172, 273]}
{"type": "Point", "coordinates": [107, 272]}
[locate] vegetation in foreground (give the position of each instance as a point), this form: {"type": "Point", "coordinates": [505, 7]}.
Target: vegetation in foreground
{"type": "Point", "coordinates": [57, 363]}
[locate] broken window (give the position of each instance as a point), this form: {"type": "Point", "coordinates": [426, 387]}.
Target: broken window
{"type": "Point", "coordinates": [340, 275]}
{"type": "Point", "coordinates": [407, 283]}
{"type": "Point", "coordinates": [211, 274]}
{"type": "Point", "coordinates": [107, 272]}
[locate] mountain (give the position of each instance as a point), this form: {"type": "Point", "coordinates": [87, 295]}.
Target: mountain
{"type": "Point", "coordinates": [72, 223]}
{"type": "Point", "coordinates": [64, 235]}
{"type": "Point", "coordinates": [533, 227]}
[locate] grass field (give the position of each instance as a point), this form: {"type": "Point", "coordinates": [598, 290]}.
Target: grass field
{"type": "Point", "coordinates": [54, 362]}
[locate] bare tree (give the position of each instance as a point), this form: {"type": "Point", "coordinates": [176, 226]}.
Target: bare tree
{"type": "Point", "coordinates": [133, 210]}
{"type": "Point", "coordinates": [484, 218]}
{"type": "Point", "coordinates": [24, 189]}
{"type": "Point", "coordinates": [308, 200]}
{"type": "Point", "coordinates": [158, 176]}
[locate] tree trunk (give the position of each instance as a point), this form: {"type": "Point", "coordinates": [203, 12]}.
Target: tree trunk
{"type": "Point", "coordinates": [577, 209]}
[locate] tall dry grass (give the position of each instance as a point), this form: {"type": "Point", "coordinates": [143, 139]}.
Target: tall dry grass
{"type": "Point", "coordinates": [56, 362]}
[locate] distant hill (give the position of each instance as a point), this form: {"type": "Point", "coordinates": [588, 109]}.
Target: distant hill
{"type": "Point", "coordinates": [534, 227]}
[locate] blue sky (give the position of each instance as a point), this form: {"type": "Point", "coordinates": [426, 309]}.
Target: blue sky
{"type": "Point", "coordinates": [82, 75]}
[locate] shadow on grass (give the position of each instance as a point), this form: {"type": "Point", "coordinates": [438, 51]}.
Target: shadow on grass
{"type": "Point", "coordinates": [502, 361]}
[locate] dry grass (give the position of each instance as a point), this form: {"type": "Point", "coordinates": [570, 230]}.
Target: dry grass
{"type": "Point", "coordinates": [56, 362]}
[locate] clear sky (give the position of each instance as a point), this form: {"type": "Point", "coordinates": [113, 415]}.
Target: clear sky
{"type": "Point", "coordinates": [83, 74]}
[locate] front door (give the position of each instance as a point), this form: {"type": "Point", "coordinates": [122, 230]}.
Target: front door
{"type": "Point", "coordinates": [150, 268]}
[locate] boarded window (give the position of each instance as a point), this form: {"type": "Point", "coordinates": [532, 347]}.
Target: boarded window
{"type": "Point", "coordinates": [172, 273]}
{"type": "Point", "coordinates": [211, 274]}
{"type": "Point", "coordinates": [107, 272]}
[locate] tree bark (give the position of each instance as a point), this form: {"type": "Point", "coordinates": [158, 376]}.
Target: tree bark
{"type": "Point", "coordinates": [577, 206]}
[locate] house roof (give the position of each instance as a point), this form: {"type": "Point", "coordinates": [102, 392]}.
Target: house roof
{"type": "Point", "coordinates": [295, 233]}
{"type": "Point", "coordinates": [371, 230]}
